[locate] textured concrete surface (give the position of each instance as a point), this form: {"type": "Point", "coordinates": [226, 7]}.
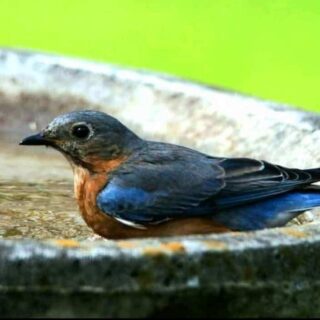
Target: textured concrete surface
{"type": "Point", "coordinates": [267, 273]}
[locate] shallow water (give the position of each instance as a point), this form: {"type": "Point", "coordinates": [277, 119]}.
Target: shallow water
{"type": "Point", "coordinates": [40, 210]}
{"type": "Point", "coordinates": [36, 195]}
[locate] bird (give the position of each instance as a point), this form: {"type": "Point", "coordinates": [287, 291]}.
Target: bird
{"type": "Point", "coordinates": [130, 187]}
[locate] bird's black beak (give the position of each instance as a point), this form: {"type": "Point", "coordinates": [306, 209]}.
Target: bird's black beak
{"type": "Point", "coordinates": [35, 140]}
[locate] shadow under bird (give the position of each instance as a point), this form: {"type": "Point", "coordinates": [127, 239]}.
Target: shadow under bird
{"type": "Point", "coordinates": [129, 187]}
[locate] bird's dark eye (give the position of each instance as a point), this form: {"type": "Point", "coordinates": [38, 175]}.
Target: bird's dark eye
{"type": "Point", "coordinates": [81, 131]}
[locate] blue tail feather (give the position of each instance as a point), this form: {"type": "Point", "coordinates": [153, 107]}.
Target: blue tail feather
{"type": "Point", "coordinates": [272, 212]}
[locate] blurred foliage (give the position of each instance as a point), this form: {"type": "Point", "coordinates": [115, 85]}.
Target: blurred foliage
{"type": "Point", "coordinates": [267, 48]}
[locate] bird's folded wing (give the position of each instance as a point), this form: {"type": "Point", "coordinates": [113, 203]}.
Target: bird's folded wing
{"type": "Point", "coordinates": [248, 180]}
{"type": "Point", "coordinates": [152, 192]}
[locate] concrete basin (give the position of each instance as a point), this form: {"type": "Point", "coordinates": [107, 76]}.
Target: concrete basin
{"type": "Point", "coordinates": [50, 263]}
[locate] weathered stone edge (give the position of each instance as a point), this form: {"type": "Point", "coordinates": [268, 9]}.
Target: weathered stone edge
{"type": "Point", "coordinates": [271, 257]}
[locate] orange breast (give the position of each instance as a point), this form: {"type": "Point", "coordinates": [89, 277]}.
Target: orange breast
{"type": "Point", "coordinates": [87, 185]}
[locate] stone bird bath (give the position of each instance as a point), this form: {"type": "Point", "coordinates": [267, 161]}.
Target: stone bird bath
{"type": "Point", "coordinates": [49, 263]}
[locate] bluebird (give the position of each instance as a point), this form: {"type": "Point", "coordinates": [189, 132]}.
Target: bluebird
{"type": "Point", "coordinates": [128, 187]}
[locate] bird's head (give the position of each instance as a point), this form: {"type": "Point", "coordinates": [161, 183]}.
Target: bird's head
{"type": "Point", "coordinates": [86, 136]}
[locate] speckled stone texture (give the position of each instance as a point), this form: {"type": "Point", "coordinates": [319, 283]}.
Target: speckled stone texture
{"type": "Point", "coordinates": [267, 273]}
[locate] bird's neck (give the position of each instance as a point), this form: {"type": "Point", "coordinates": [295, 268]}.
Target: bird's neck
{"type": "Point", "coordinates": [96, 165]}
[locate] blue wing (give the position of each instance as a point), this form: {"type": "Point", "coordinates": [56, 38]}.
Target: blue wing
{"type": "Point", "coordinates": [129, 204]}
{"type": "Point", "coordinates": [153, 197]}
{"type": "Point", "coordinates": [174, 183]}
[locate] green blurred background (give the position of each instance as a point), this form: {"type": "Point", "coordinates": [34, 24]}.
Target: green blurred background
{"type": "Point", "coordinates": [266, 48]}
